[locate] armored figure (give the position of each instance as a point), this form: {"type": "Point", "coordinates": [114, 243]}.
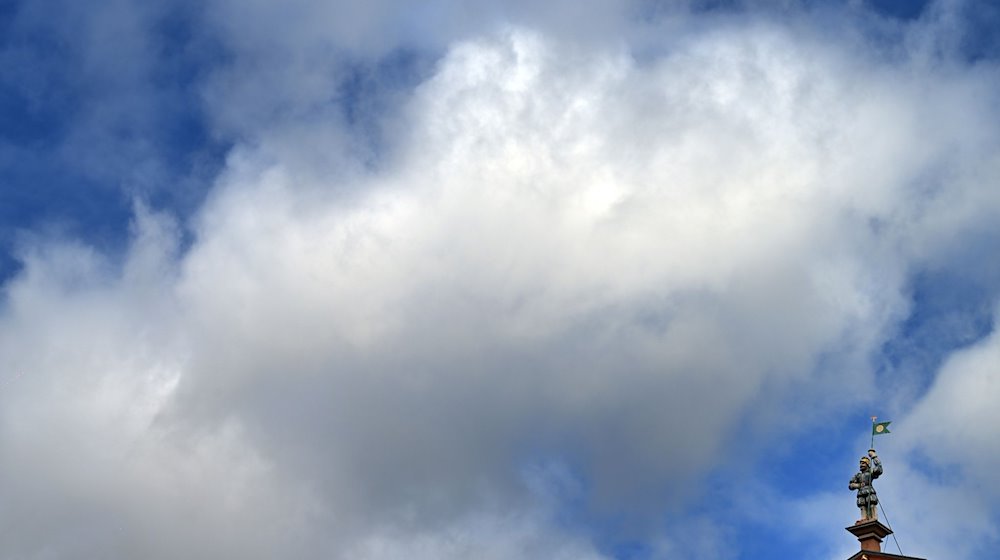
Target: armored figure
{"type": "Point", "coordinates": [871, 468]}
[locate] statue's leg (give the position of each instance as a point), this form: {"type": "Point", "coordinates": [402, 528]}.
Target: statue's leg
{"type": "Point", "coordinates": [869, 511]}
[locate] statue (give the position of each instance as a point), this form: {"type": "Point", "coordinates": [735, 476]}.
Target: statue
{"type": "Point", "coordinates": [871, 468]}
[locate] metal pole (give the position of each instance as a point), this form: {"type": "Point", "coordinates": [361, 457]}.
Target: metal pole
{"type": "Point", "coordinates": [889, 525]}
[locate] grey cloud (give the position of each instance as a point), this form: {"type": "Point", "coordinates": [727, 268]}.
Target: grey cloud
{"type": "Point", "coordinates": [568, 260]}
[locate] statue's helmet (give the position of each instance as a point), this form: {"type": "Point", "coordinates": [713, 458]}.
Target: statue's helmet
{"type": "Point", "coordinates": [866, 460]}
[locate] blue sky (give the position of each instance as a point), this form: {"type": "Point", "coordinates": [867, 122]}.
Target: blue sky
{"type": "Point", "coordinates": [598, 280]}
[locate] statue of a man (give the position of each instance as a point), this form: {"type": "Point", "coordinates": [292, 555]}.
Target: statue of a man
{"type": "Point", "coordinates": [870, 468]}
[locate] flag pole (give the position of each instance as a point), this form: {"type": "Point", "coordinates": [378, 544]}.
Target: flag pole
{"type": "Point", "coordinates": [873, 432]}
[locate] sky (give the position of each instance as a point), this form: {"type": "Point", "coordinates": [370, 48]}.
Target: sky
{"type": "Point", "coordinates": [582, 280]}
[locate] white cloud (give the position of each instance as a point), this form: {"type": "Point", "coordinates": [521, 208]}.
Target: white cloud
{"type": "Point", "coordinates": [956, 419]}
{"type": "Point", "coordinates": [571, 255]}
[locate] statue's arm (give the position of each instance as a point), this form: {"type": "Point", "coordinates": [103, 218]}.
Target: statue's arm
{"type": "Point", "coordinates": [854, 484]}
{"type": "Point", "coordinates": [876, 467]}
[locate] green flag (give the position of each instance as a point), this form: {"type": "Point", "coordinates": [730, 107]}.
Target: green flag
{"type": "Point", "coordinates": [881, 428]}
